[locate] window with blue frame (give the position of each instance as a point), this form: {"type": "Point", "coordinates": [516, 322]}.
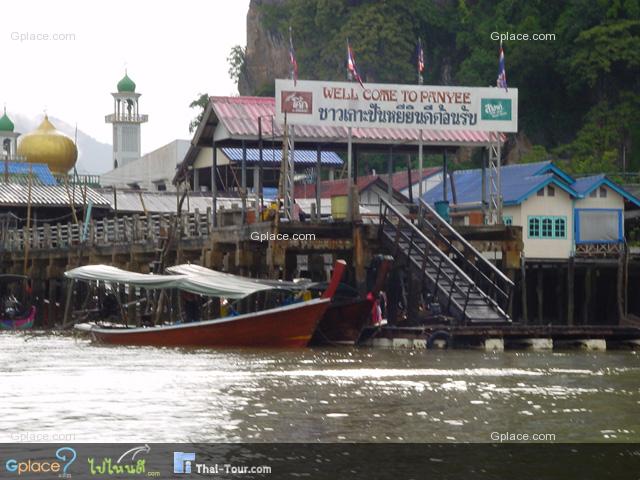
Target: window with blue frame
{"type": "Point", "coordinates": [547, 227]}
{"type": "Point", "coordinates": [534, 227]}
{"type": "Point", "coordinates": [507, 220]}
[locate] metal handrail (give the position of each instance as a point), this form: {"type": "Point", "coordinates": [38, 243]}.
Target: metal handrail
{"type": "Point", "coordinates": [506, 290]}
{"type": "Point", "coordinates": [424, 237]}
{"type": "Point", "coordinates": [459, 254]}
{"type": "Point", "coordinates": [457, 271]}
{"type": "Point", "coordinates": [466, 243]}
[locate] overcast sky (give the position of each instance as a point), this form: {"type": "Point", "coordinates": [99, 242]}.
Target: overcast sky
{"type": "Point", "coordinates": [172, 50]}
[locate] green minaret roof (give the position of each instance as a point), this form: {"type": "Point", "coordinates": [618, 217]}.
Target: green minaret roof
{"type": "Point", "coordinates": [126, 84]}
{"type": "Point", "coordinates": [6, 125]}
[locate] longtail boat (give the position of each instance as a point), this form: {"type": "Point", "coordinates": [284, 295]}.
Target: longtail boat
{"type": "Point", "coordinates": [349, 312]}
{"type": "Point", "coordinates": [284, 326]}
{"type": "Point", "coordinates": [13, 315]}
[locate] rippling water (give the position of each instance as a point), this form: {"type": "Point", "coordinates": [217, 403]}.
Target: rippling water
{"type": "Point", "coordinates": [60, 385]}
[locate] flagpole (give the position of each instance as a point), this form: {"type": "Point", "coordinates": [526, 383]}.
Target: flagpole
{"type": "Point", "coordinates": [420, 166]}
{"type": "Point", "coordinates": [349, 177]}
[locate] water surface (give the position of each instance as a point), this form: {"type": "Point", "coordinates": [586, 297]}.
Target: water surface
{"type": "Point", "coordinates": [55, 386]}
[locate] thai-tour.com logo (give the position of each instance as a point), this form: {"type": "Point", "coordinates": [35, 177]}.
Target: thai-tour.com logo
{"type": "Point", "coordinates": [185, 463]}
{"type": "Point", "coordinates": [57, 466]}
{"type": "Point", "coordinates": [182, 462]}
{"type": "Point", "coordinates": [297, 102]}
{"type": "Point", "coordinates": [495, 109]}
{"type": "Point", "coordinates": [130, 463]}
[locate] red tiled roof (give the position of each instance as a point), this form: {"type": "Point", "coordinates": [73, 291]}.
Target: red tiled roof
{"type": "Point", "coordinates": [400, 180]}
{"type": "Point", "coordinates": [331, 188]}
{"type": "Point", "coordinates": [240, 115]}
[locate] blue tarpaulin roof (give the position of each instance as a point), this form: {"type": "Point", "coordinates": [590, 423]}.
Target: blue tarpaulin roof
{"type": "Point", "coordinates": [269, 155]}
{"type": "Point", "coordinates": [40, 171]}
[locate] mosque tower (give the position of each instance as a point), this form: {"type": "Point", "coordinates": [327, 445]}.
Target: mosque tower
{"type": "Point", "coordinates": [8, 138]}
{"type": "Point", "coordinates": [126, 121]}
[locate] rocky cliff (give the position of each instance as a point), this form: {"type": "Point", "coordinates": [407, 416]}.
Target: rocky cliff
{"type": "Point", "coordinates": [266, 56]}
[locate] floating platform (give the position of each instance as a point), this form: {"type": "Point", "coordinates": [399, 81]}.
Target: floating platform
{"type": "Point", "coordinates": [501, 337]}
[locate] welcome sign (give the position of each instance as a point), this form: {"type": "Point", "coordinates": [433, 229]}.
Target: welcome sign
{"type": "Point", "coordinates": [427, 107]}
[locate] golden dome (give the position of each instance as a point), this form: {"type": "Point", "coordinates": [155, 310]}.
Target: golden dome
{"type": "Point", "coordinates": [47, 145]}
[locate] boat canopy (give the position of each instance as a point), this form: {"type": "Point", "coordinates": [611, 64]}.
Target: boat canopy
{"type": "Point", "coordinates": [107, 273]}
{"type": "Point", "coordinates": [219, 285]}
{"type": "Point", "coordinates": [216, 276]}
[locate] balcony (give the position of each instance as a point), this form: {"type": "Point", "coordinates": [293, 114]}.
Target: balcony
{"type": "Point", "coordinates": [124, 118]}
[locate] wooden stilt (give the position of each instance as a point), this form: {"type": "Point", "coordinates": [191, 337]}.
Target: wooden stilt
{"type": "Point", "coordinates": [523, 290]}
{"type": "Point", "coordinates": [540, 294]}
{"type": "Point", "coordinates": [67, 305]}
{"type": "Point", "coordinates": [620, 289]}
{"type": "Point", "coordinates": [559, 296]}
{"type": "Point", "coordinates": [571, 273]}
{"type": "Point", "coordinates": [587, 296]}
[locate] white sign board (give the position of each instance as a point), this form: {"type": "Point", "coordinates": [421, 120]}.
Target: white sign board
{"type": "Point", "coordinates": [427, 107]}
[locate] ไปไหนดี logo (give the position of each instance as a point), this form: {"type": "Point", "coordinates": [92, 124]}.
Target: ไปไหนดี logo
{"type": "Point", "coordinates": [126, 464]}
{"type": "Point", "coordinates": [297, 102]}
{"type": "Point", "coordinates": [183, 461]}
{"type": "Point", "coordinates": [65, 456]}
{"type": "Point", "coordinates": [495, 109]}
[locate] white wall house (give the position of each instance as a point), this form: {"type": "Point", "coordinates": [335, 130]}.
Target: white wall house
{"type": "Point", "coordinates": [559, 215]}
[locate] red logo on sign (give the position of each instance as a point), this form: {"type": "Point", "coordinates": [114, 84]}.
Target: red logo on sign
{"type": "Point", "coordinates": [297, 102]}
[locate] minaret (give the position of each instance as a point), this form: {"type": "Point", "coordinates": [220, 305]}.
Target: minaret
{"type": "Point", "coordinates": [8, 138]}
{"type": "Point", "coordinates": [126, 121]}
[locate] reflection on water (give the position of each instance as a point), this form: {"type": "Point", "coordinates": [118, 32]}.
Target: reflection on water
{"type": "Point", "coordinates": [60, 385]}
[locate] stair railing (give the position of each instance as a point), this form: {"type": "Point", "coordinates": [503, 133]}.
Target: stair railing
{"type": "Point", "coordinates": [495, 284]}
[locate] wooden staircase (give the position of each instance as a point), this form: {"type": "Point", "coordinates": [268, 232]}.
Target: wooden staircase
{"type": "Point", "coordinates": [466, 285]}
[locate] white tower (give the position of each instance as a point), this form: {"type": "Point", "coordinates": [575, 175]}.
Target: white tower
{"type": "Point", "coordinates": [126, 121]}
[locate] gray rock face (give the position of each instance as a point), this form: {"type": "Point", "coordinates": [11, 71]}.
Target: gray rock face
{"type": "Point", "coordinates": [267, 54]}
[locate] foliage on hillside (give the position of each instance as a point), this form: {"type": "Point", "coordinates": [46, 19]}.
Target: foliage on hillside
{"type": "Point", "coordinates": [578, 93]}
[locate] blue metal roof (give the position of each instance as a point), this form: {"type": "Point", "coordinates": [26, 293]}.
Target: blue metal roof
{"type": "Point", "coordinates": [40, 171]}
{"type": "Point", "coordinates": [269, 156]}
{"type": "Point", "coordinates": [518, 183]}
{"type": "Point", "coordinates": [585, 185]}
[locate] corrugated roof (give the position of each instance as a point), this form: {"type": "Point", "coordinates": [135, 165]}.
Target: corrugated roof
{"type": "Point", "coordinates": [400, 180]}
{"type": "Point", "coordinates": [16, 195]}
{"type": "Point", "coordinates": [518, 181]}
{"type": "Point", "coordinates": [239, 116]}
{"type": "Point", "coordinates": [269, 155]}
{"type": "Point", "coordinates": [585, 184]}
{"type": "Point", "coordinates": [19, 173]}
{"type": "Point", "coordinates": [331, 188]}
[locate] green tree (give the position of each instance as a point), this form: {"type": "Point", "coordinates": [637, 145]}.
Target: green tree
{"type": "Point", "coordinates": [199, 103]}
{"type": "Point", "coordinates": [236, 61]}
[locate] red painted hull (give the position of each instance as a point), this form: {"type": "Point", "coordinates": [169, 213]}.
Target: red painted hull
{"type": "Point", "coordinates": [285, 327]}
{"type": "Point", "coordinates": [343, 322]}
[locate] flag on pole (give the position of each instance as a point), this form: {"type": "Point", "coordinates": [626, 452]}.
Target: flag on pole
{"type": "Point", "coordinates": [352, 71]}
{"type": "Point", "coordinates": [502, 73]}
{"type": "Point", "coordinates": [420, 61]}
{"type": "Point", "coordinates": [293, 67]}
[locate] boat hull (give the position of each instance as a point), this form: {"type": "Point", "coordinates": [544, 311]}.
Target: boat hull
{"type": "Point", "coordinates": [23, 323]}
{"type": "Point", "coordinates": [343, 322]}
{"type": "Point", "coordinates": [284, 327]}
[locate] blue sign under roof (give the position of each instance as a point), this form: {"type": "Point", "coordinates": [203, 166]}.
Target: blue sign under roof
{"type": "Point", "coordinates": [270, 155]}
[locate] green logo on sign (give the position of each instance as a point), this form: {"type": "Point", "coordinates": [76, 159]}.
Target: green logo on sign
{"type": "Point", "coordinates": [495, 109]}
